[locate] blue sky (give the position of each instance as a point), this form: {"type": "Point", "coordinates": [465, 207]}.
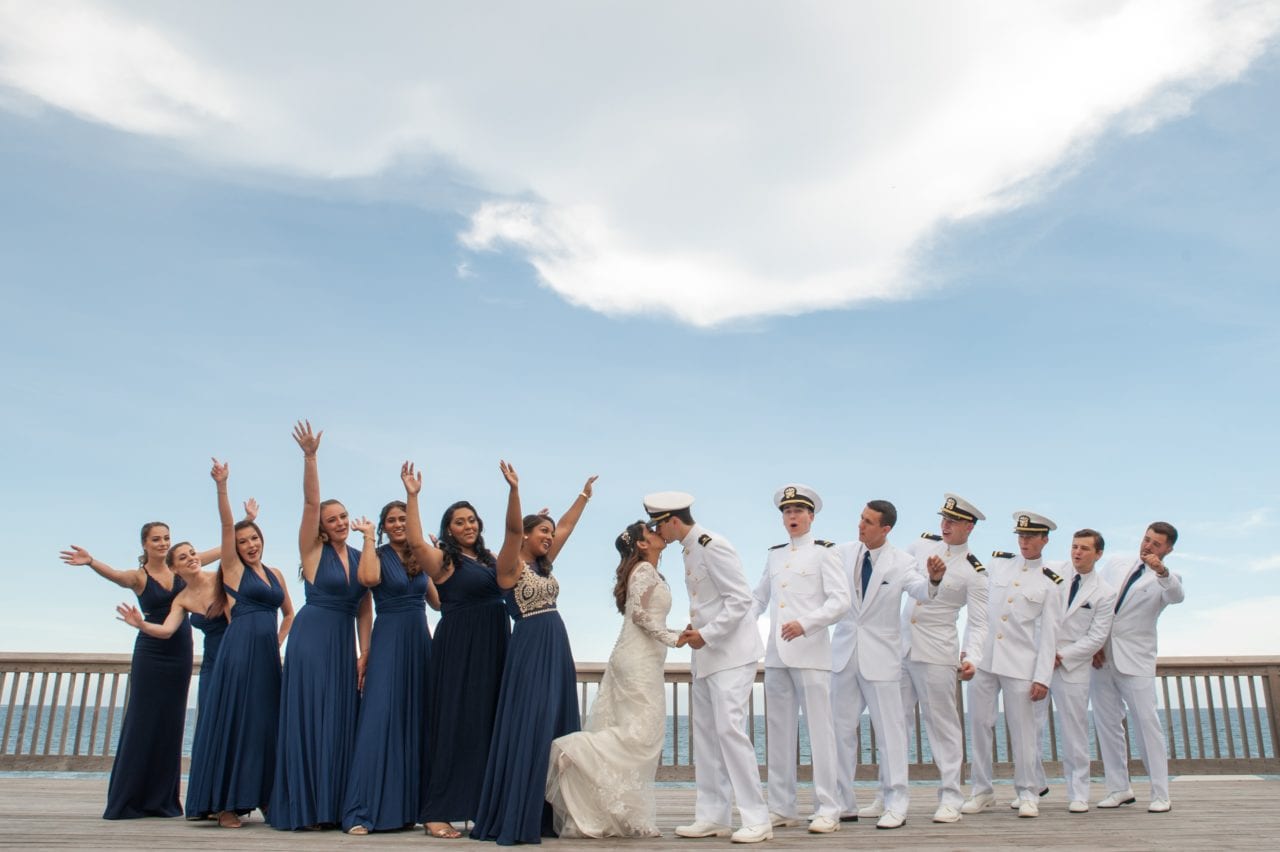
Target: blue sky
{"type": "Point", "coordinates": [1092, 338]}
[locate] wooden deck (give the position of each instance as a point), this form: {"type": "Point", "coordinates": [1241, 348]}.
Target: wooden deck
{"type": "Point", "coordinates": [1210, 812]}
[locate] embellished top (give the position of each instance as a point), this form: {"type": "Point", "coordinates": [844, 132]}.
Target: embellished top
{"type": "Point", "coordinates": [533, 594]}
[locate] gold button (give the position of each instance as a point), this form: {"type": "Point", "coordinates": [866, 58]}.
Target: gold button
{"type": "Point", "coordinates": [919, 603]}
{"type": "Point", "coordinates": [1010, 600]}
{"type": "Point", "coordinates": [999, 635]}
{"type": "Point", "coordinates": [784, 585]}
{"type": "Point", "coordinates": [782, 606]}
{"type": "Point", "coordinates": [1024, 568]}
{"type": "Point", "coordinates": [1004, 618]}
{"type": "Point", "coordinates": [913, 621]}
{"type": "Point", "coordinates": [1016, 583]}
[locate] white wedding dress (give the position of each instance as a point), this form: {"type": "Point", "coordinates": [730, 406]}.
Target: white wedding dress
{"type": "Point", "coordinates": [600, 780]}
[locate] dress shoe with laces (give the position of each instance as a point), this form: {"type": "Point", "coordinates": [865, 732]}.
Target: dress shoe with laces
{"type": "Point", "coordinates": [977, 804]}
{"type": "Point", "coordinates": [946, 813]}
{"type": "Point", "coordinates": [1158, 806]}
{"type": "Point", "coordinates": [1078, 807]}
{"type": "Point", "coordinates": [703, 829]}
{"type": "Point", "coordinates": [1115, 800]}
{"type": "Point", "coordinates": [892, 819]}
{"type": "Point", "coordinates": [823, 825]}
{"type": "Point", "coordinates": [874, 809]}
{"type": "Point", "coordinates": [753, 833]}
{"type": "Point", "coordinates": [1028, 809]}
{"type": "Point", "coordinates": [780, 821]}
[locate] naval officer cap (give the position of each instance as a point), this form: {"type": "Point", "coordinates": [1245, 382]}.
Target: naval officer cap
{"type": "Point", "coordinates": [797, 495]}
{"type": "Point", "coordinates": [663, 504]}
{"type": "Point", "coordinates": [957, 508]}
{"type": "Point", "coordinates": [1030, 522]}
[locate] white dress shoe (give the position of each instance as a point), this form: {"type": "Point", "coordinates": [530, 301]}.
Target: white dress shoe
{"type": "Point", "coordinates": [780, 821]}
{"type": "Point", "coordinates": [703, 829]}
{"type": "Point", "coordinates": [1028, 808]}
{"type": "Point", "coordinates": [1078, 807]}
{"type": "Point", "coordinates": [977, 804]}
{"type": "Point", "coordinates": [1115, 800]}
{"type": "Point", "coordinates": [946, 813]}
{"type": "Point", "coordinates": [823, 825]}
{"type": "Point", "coordinates": [1158, 806]}
{"type": "Point", "coordinates": [1017, 803]}
{"type": "Point", "coordinates": [874, 809]}
{"type": "Point", "coordinates": [753, 833]}
{"type": "Point", "coordinates": [892, 819]}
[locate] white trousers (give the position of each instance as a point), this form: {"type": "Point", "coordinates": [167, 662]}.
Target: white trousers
{"type": "Point", "coordinates": [851, 693]}
{"type": "Point", "coordinates": [787, 692]}
{"type": "Point", "coordinates": [724, 763]}
{"type": "Point", "coordinates": [1071, 713]}
{"type": "Point", "coordinates": [1020, 720]}
{"type": "Point", "coordinates": [1112, 693]}
{"type": "Point", "coordinates": [933, 686]}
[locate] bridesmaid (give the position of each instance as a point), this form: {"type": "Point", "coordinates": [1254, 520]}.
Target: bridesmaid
{"type": "Point", "coordinates": [148, 764]}
{"type": "Point", "coordinates": [539, 700]}
{"type": "Point", "coordinates": [233, 760]}
{"type": "Point", "coordinates": [466, 661]}
{"type": "Point", "coordinates": [384, 792]}
{"type": "Point", "coordinates": [319, 688]}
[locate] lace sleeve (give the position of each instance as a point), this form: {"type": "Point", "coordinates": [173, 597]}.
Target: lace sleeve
{"type": "Point", "coordinates": [640, 588]}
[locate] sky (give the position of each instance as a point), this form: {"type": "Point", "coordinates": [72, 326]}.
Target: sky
{"type": "Point", "coordinates": [1022, 252]}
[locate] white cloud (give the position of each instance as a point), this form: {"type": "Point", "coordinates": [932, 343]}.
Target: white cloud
{"type": "Point", "coordinates": [705, 161]}
{"type": "Point", "coordinates": [1265, 563]}
{"type": "Point", "coordinates": [1244, 627]}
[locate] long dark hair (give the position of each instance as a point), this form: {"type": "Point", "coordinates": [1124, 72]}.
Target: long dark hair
{"type": "Point", "coordinates": [449, 545]}
{"type": "Point", "coordinates": [626, 544]}
{"type": "Point", "coordinates": [146, 530]}
{"type": "Point", "coordinates": [540, 563]}
{"type": "Point", "coordinates": [411, 566]}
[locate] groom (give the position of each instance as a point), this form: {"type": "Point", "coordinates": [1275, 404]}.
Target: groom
{"type": "Point", "coordinates": [726, 647]}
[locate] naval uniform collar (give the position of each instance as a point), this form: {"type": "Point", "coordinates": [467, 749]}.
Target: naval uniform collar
{"type": "Point", "coordinates": [950, 550]}
{"type": "Point", "coordinates": [799, 541]}
{"type": "Point", "coordinates": [691, 538]}
{"type": "Point", "coordinates": [1034, 563]}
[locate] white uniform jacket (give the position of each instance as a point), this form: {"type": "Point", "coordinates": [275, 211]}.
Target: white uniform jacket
{"type": "Point", "coordinates": [1024, 608]}
{"type": "Point", "coordinates": [869, 636]}
{"type": "Point", "coordinates": [719, 604]}
{"type": "Point", "coordinates": [1086, 622]}
{"type": "Point", "coordinates": [802, 581]}
{"type": "Point", "coordinates": [1132, 647]}
{"type": "Point", "coordinates": [929, 632]}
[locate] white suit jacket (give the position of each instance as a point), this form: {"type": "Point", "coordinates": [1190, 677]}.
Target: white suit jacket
{"type": "Point", "coordinates": [869, 635]}
{"type": "Point", "coordinates": [929, 632]}
{"type": "Point", "coordinates": [1024, 608]}
{"type": "Point", "coordinates": [1085, 624]}
{"type": "Point", "coordinates": [1132, 647]}
{"type": "Point", "coordinates": [802, 581]}
{"type": "Point", "coordinates": [719, 604]}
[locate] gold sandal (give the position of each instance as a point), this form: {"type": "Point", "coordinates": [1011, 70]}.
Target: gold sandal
{"type": "Point", "coordinates": [442, 830]}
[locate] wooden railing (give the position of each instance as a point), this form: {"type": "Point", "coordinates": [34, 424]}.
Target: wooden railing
{"type": "Point", "coordinates": [61, 712]}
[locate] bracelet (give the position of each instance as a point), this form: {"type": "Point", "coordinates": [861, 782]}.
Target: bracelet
{"type": "Point", "coordinates": [585, 496]}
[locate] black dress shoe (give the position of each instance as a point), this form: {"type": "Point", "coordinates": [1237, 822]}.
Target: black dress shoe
{"type": "Point", "coordinates": [848, 817]}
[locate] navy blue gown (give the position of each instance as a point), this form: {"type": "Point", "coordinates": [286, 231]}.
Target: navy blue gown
{"type": "Point", "coordinates": [233, 760]}
{"type": "Point", "coordinates": [213, 629]}
{"type": "Point", "coordinates": [539, 702]}
{"type": "Point", "coordinates": [318, 699]}
{"type": "Point", "coordinates": [467, 655]}
{"type": "Point", "coordinates": [148, 764]}
{"type": "Point", "coordinates": [385, 788]}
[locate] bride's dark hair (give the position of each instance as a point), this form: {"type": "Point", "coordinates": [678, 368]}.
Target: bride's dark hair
{"type": "Point", "coordinates": [626, 544]}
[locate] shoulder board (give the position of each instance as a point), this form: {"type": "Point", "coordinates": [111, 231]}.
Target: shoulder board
{"type": "Point", "coordinates": [977, 566]}
{"type": "Point", "coordinates": [704, 539]}
{"type": "Point", "coordinates": [1002, 554]}
{"type": "Point", "coordinates": [931, 536]}
{"type": "Point", "coordinates": [1052, 576]}
{"type": "Point", "coordinates": [824, 543]}
{"type": "Point", "coordinates": [775, 547]}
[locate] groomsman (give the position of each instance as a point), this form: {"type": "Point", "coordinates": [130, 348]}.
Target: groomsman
{"type": "Point", "coordinates": [866, 658]}
{"type": "Point", "coordinates": [932, 651]}
{"type": "Point", "coordinates": [804, 590]}
{"type": "Point", "coordinates": [1088, 607]}
{"type": "Point", "coordinates": [726, 646]}
{"type": "Point", "coordinates": [1023, 612]}
{"type": "Point", "coordinates": [1125, 669]}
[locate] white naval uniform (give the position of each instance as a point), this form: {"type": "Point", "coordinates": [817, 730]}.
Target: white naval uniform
{"type": "Point", "coordinates": [1086, 621]}
{"type": "Point", "coordinates": [866, 659]}
{"type": "Point", "coordinates": [1128, 678]}
{"type": "Point", "coordinates": [1023, 612]}
{"type": "Point", "coordinates": [802, 581]}
{"type": "Point", "coordinates": [931, 653]}
{"type": "Point", "coordinates": [724, 672]}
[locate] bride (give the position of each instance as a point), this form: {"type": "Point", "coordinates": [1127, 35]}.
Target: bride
{"type": "Point", "coordinates": [600, 780]}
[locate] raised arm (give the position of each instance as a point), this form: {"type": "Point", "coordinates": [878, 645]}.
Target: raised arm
{"type": "Point", "coordinates": [369, 570]}
{"type": "Point", "coordinates": [131, 616]}
{"type": "Point", "coordinates": [424, 553]}
{"type": "Point", "coordinates": [509, 564]}
{"type": "Point", "coordinates": [232, 569]}
{"type": "Point", "coordinates": [569, 520]}
{"type": "Point", "coordinates": [134, 579]}
{"type": "Point", "coordinates": [309, 541]}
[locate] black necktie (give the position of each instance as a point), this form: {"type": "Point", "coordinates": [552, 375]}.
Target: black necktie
{"type": "Point", "coordinates": [1075, 587]}
{"type": "Point", "coordinates": [866, 571]}
{"type": "Point", "coordinates": [1133, 578]}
